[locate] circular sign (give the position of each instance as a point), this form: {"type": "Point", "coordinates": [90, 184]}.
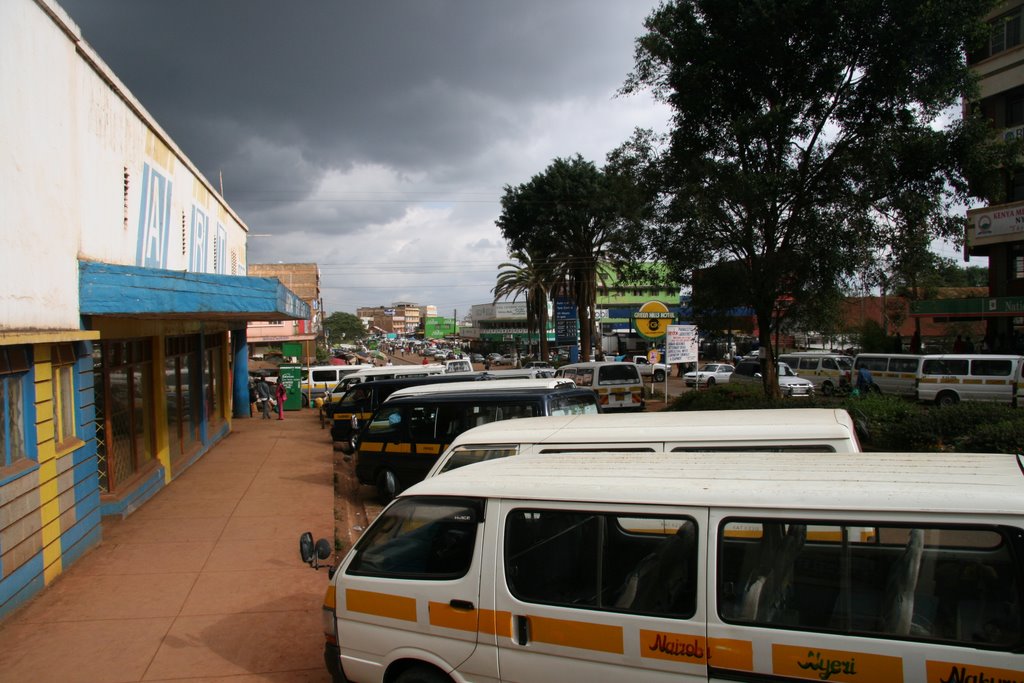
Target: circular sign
{"type": "Point", "coordinates": [652, 320]}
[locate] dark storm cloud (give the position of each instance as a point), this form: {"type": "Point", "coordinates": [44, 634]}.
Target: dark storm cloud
{"type": "Point", "coordinates": [337, 125]}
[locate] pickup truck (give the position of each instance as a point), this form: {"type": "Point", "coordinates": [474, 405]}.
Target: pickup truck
{"type": "Point", "coordinates": [656, 371]}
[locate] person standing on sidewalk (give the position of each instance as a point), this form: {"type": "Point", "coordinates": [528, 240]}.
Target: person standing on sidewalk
{"type": "Point", "coordinates": [263, 396]}
{"type": "Point", "coordinates": [282, 394]}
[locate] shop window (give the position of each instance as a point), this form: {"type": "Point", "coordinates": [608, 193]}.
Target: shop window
{"type": "Point", "coordinates": [62, 360]}
{"type": "Point", "coordinates": [1017, 262]}
{"type": "Point", "coordinates": [14, 367]}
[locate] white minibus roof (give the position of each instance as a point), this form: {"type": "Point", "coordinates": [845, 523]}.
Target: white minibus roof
{"type": "Point", "coordinates": [854, 483]}
{"type": "Point", "coordinates": [485, 385]}
{"type": "Point", "coordinates": [432, 368]}
{"type": "Point", "coordinates": [793, 424]}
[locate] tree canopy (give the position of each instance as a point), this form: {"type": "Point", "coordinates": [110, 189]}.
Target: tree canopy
{"type": "Point", "coordinates": [344, 328]}
{"type": "Point", "coordinates": [565, 218]}
{"type": "Point", "coordinates": [795, 123]}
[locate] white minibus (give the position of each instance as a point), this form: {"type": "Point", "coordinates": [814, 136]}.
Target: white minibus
{"type": "Point", "coordinates": [483, 384]}
{"type": "Point", "coordinates": [618, 385]}
{"type": "Point", "coordinates": [893, 373]}
{"type": "Point", "coordinates": [643, 567]}
{"type": "Point", "coordinates": [817, 430]}
{"type": "Point", "coordinates": [951, 378]}
{"type": "Point", "coordinates": [370, 374]}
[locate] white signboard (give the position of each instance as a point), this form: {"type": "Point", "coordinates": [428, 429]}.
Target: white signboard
{"type": "Point", "coordinates": [681, 344]}
{"type": "Point", "coordinates": [510, 310]}
{"type": "Point", "coordinates": [995, 221]}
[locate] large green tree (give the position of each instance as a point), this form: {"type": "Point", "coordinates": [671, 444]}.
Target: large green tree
{"type": "Point", "coordinates": [344, 328]}
{"type": "Point", "coordinates": [792, 122]}
{"type": "Point", "coordinates": [565, 217]}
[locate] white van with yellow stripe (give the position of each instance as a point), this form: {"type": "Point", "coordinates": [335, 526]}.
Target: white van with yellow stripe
{"type": "Point", "coordinates": [548, 568]}
{"type": "Point", "coordinates": [618, 385]}
{"type": "Point", "coordinates": [951, 378]}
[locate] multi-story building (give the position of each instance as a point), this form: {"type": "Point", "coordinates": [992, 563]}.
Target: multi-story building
{"type": "Point", "coordinates": [997, 231]}
{"type": "Point", "coordinates": [303, 280]}
{"type": "Point", "coordinates": [124, 299]}
{"type": "Point", "coordinates": [400, 318]}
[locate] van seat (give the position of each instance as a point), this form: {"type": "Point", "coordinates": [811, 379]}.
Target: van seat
{"type": "Point", "coordinates": [662, 582]}
{"type": "Point", "coordinates": [767, 590]}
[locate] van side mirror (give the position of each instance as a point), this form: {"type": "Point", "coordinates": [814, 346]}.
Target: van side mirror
{"type": "Point", "coordinates": [314, 553]}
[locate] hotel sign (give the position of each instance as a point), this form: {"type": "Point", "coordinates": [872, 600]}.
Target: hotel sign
{"type": "Point", "coordinates": [996, 221]}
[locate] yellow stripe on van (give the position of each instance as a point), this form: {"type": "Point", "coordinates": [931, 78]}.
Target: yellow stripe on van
{"type": "Point", "coordinates": [380, 604]}
{"type": "Point", "coordinates": [940, 672]}
{"type": "Point", "coordinates": [496, 623]}
{"type": "Point", "coordinates": [444, 615]}
{"type": "Point", "coordinates": [372, 446]}
{"type": "Point", "coordinates": [431, 448]}
{"type": "Point", "coordinates": [815, 664]}
{"type": "Point", "coordinates": [729, 653]}
{"type": "Point", "coordinates": [578, 634]}
{"type": "Point", "coordinates": [398, 448]}
{"type": "Point", "coordinates": [674, 647]}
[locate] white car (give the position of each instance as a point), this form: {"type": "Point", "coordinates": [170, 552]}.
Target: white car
{"type": "Point", "coordinates": [790, 384]}
{"type": "Point", "coordinates": [709, 375]}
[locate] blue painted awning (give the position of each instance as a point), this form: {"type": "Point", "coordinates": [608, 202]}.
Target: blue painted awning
{"type": "Point", "coordinates": [106, 289]}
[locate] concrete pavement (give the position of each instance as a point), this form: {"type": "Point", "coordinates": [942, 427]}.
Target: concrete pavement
{"type": "Point", "coordinates": [203, 583]}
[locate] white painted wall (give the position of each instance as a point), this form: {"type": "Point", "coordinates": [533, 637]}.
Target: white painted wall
{"type": "Point", "coordinates": [69, 132]}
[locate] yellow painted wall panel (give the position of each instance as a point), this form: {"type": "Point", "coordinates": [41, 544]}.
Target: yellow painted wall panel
{"type": "Point", "coordinates": [51, 529]}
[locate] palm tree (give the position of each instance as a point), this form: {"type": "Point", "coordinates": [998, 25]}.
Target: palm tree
{"type": "Point", "coordinates": [531, 278]}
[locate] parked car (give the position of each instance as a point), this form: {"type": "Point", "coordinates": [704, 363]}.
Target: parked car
{"type": "Point", "coordinates": [537, 364]}
{"type": "Point", "coordinates": [493, 357]}
{"type": "Point", "coordinates": [709, 375]}
{"type": "Point", "coordinates": [476, 358]}
{"type": "Point", "coordinates": [749, 371]}
{"type": "Point", "coordinates": [506, 359]}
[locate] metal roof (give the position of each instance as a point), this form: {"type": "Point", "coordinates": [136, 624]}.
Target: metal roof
{"type": "Point", "coordinates": [852, 482]}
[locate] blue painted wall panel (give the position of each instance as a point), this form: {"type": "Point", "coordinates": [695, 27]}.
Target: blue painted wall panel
{"type": "Point", "coordinates": [22, 584]}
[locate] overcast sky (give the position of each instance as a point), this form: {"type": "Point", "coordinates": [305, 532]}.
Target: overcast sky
{"type": "Point", "coordinates": [375, 138]}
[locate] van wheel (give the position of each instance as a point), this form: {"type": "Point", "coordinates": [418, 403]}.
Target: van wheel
{"type": "Point", "coordinates": [828, 389]}
{"type": "Point", "coordinates": [710, 382]}
{"type": "Point", "coordinates": [947, 398]}
{"type": "Point", "coordinates": [422, 674]}
{"type": "Point", "coordinates": [659, 375]}
{"type": "Point", "coordinates": [387, 486]}
{"type": "Point", "coordinates": [305, 401]}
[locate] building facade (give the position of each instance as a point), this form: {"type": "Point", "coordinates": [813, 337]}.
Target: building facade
{"type": "Point", "coordinates": [123, 301]}
{"type": "Point", "coordinates": [996, 231]}
{"type": "Point", "coordinates": [303, 280]}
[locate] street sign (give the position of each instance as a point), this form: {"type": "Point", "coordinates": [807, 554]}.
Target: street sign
{"type": "Point", "coordinates": [652, 320]}
{"type": "Point", "coordinates": [681, 344]}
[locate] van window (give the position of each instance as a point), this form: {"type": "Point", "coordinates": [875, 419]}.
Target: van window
{"type": "Point", "coordinates": [875, 364]}
{"type": "Point", "coordinates": [903, 365]}
{"type": "Point", "coordinates": [996, 368]}
{"type": "Point", "coordinates": [927, 583]}
{"type": "Point", "coordinates": [463, 456]}
{"type": "Point", "coordinates": [414, 423]}
{"type": "Point", "coordinates": [324, 375]}
{"type": "Point", "coordinates": [624, 373]}
{"type": "Point", "coordinates": [573, 405]}
{"type": "Point", "coordinates": [944, 366]}
{"type": "Point", "coordinates": [356, 399]}
{"type": "Point", "coordinates": [601, 561]}
{"type": "Point", "coordinates": [760, 448]}
{"type": "Point", "coordinates": [808, 363]}
{"type": "Point", "coordinates": [420, 538]}
{"type": "Point", "coordinates": [584, 377]}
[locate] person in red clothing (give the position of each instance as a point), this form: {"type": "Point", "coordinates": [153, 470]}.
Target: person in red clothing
{"type": "Point", "coordinates": [281, 394]}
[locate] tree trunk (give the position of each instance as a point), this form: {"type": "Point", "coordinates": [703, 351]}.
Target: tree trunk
{"type": "Point", "coordinates": [585, 329]}
{"type": "Point", "coordinates": [769, 367]}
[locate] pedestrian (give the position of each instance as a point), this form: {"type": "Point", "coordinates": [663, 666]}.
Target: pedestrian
{"type": "Point", "coordinates": [864, 380]}
{"type": "Point", "coordinates": [958, 345]}
{"type": "Point", "coordinates": [263, 396]}
{"type": "Point", "coordinates": [252, 397]}
{"type": "Point", "coordinates": [968, 345]}
{"type": "Point", "coordinates": [281, 394]}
